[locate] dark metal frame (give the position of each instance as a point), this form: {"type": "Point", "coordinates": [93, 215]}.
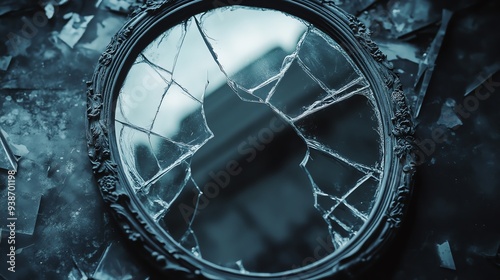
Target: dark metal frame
{"type": "Point", "coordinates": [157, 16]}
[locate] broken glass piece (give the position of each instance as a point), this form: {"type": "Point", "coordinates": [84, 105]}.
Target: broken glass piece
{"type": "Point", "coordinates": [26, 212]}
{"type": "Point", "coordinates": [242, 150]}
{"type": "Point", "coordinates": [77, 273]}
{"type": "Point", "coordinates": [445, 256]}
{"type": "Point", "coordinates": [180, 118]}
{"type": "Point", "coordinates": [146, 155]}
{"type": "Point", "coordinates": [143, 88]}
{"type": "Point", "coordinates": [482, 78]}
{"type": "Point", "coordinates": [156, 196]}
{"type": "Point", "coordinates": [354, 133]}
{"type": "Point", "coordinates": [180, 111]}
{"type": "Point", "coordinates": [241, 267]}
{"type": "Point", "coordinates": [254, 75]}
{"type": "Point", "coordinates": [395, 49]}
{"type": "Point", "coordinates": [262, 91]}
{"type": "Point", "coordinates": [361, 198]}
{"type": "Point", "coordinates": [235, 51]}
{"type": "Point", "coordinates": [7, 158]}
{"type": "Point", "coordinates": [326, 61]}
{"type": "Point", "coordinates": [5, 62]}
{"type": "Point", "coordinates": [195, 63]}
{"type": "Point", "coordinates": [448, 116]}
{"type": "Point", "coordinates": [306, 71]}
{"type": "Point", "coordinates": [49, 10]}
{"type": "Point", "coordinates": [74, 29]}
{"type": "Point", "coordinates": [113, 265]}
{"type": "Point", "coordinates": [348, 218]}
{"type": "Point", "coordinates": [28, 205]}
{"type": "Point", "coordinates": [323, 201]}
{"type": "Point", "coordinates": [106, 28]}
{"type": "Point", "coordinates": [289, 95]}
{"type": "Point", "coordinates": [190, 242]}
{"type": "Point", "coordinates": [178, 220]}
{"type": "Point", "coordinates": [338, 210]}
{"type": "Point", "coordinates": [426, 67]}
{"type": "Point", "coordinates": [355, 87]}
{"type": "Point", "coordinates": [345, 175]}
{"type": "Point", "coordinates": [409, 16]}
{"type": "Point", "coordinates": [165, 49]}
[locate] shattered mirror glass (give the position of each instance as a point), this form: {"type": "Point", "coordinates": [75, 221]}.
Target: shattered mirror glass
{"type": "Point", "coordinates": [255, 149]}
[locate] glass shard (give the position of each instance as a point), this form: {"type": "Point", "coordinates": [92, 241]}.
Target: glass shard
{"type": "Point", "coordinates": [262, 71]}
{"type": "Point", "coordinates": [349, 90]}
{"type": "Point", "coordinates": [325, 60]}
{"type": "Point", "coordinates": [190, 242]}
{"type": "Point", "coordinates": [362, 198]}
{"type": "Point", "coordinates": [195, 65]}
{"type": "Point", "coordinates": [345, 176]}
{"type": "Point", "coordinates": [73, 31]}
{"type": "Point", "coordinates": [445, 256]}
{"type": "Point", "coordinates": [142, 92]}
{"type": "Point", "coordinates": [235, 50]}
{"type": "Point", "coordinates": [295, 91]}
{"type": "Point", "coordinates": [410, 16]}
{"type": "Point", "coordinates": [181, 118]}
{"type": "Point", "coordinates": [482, 78]}
{"type": "Point", "coordinates": [177, 221]}
{"type": "Point", "coordinates": [7, 159]}
{"type": "Point", "coordinates": [164, 50]}
{"type": "Point", "coordinates": [26, 210]}
{"type": "Point", "coordinates": [5, 62]}
{"type": "Point", "coordinates": [263, 91]}
{"type": "Point", "coordinates": [426, 67]}
{"type": "Point", "coordinates": [146, 155]}
{"type": "Point", "coordinates": [157, 195]}
{"type": "Point", "coordinates": [354, 134]}
{"type": "Point", "coordinates": [347, 218]}
{"type": "Point", "coordinates": [448, 117]}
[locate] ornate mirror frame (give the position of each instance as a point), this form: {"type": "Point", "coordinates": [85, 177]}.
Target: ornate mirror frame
{"type": "Point", "coordinates": [157, 16]}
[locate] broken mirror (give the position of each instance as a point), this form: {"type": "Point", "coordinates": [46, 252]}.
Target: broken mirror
{"type": "Point", "coordinates": [250, 141]}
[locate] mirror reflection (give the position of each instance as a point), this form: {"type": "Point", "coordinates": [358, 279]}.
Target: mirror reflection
{"type": "Point", "coordinates": [251, 138]}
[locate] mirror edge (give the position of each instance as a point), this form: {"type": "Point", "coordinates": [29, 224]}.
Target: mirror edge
{"type": "Point", "coordinates": [169, 259]}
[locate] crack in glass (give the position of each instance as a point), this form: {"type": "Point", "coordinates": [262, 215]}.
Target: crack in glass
{"type": "Point", "coordinates": [305, 85]}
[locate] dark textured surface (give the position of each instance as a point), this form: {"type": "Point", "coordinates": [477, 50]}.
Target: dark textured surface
{"type": "Point", "coordinates": [42, 106]}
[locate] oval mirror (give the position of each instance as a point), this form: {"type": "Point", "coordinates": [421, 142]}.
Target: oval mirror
{"type": "Point", "coordinates": [250, 139]}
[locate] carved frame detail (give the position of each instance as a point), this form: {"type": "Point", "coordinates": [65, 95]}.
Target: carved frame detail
{"type": "Point", "coordinates": [325, 15]}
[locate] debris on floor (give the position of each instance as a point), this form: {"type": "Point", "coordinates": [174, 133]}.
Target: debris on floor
{"type": "Point", "coordinates": [5, 62]}
{"type": "Point", "coordinates": [448, 117]}
{"type": "Point", "coordinates": [482, 78]}
{"type": "Point", "coordinates": [7, 158]}
{"type": "Point", "coordinates": [74, 29]}
{"type": "Point", "coordinates": [445, 256]}
{"type": "Point", "coordinates": [426, 68]}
